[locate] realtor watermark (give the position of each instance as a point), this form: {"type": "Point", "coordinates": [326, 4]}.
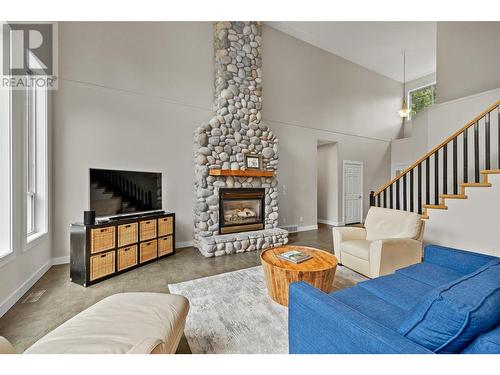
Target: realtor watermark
{"type": "Point", "coordinates": [29, 55]}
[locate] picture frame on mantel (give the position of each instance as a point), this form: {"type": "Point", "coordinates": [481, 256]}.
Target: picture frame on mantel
{"type": "Point", "coordinates": [253, 161]}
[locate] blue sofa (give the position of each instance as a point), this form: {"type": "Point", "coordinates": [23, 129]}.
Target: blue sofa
{"type": "Point", "coordinates": [449, 303]}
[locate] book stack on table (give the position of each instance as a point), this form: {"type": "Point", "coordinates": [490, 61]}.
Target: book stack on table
{"type": "Point", "coordinates": [295, 256]}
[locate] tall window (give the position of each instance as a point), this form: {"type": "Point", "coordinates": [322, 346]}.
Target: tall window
{"type": "Point", "coordinates": [30, 160]}
{"type": "Point", "coordinates": [5, 174]}
{"type": "Point", "coordinates": [36, 162]}
{"type": "Point", "coordinates": [421, 98]}
{"type": "Point", "coordinates": [5, 168]}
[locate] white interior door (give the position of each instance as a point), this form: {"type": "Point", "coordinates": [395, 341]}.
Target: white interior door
{"type": "Point", "coordinates": [353, 192]}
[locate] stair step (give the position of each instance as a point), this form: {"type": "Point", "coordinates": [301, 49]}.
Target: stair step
{"type": "Point", "coordinates": [490, 171]}
{"type": "Point", "coordinates": [435, 206]}
{"type": "Point", "coordinates": [475, 184]}
{"type": "Point", "coordinates": [452, 196]}
{"type": "Point", "coordinates": [424, 217]}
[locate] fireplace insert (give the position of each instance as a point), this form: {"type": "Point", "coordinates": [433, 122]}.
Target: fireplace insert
{"type": "Point", "coordinates": [241, 210]}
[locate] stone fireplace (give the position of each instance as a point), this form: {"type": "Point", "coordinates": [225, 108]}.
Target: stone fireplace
{"type": "Point", "coordinates": [236, 208]}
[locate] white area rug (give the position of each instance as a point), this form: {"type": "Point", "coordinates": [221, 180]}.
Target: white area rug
{"type": "Point", "coordinates": [232, 312]}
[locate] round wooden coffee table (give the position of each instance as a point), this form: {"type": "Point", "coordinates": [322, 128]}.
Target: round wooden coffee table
{"type": "Point", "coordinates": [318, 271]}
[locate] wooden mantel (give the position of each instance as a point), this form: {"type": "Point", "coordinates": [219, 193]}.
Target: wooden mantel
{"type": "Point", "coordinates": [241, 173]}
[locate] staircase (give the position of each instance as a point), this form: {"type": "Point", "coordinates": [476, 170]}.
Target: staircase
{"type": "Point", "coordinates": [112, 193]}
{"type": "Point", "coordinates": [463, 161]}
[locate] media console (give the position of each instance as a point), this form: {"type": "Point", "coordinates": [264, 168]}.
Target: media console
{"type": "Point", "coordinates": [104, 250]}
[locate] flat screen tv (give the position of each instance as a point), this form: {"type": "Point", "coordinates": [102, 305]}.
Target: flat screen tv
{"type": "Point", "coordinates": [115, 192]}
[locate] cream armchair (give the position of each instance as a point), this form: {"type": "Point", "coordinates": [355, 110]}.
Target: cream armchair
{"type": "Point", "coordinates": [391, 239]}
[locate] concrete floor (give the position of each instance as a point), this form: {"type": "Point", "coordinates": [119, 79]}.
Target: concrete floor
{"type": "Point", "coordinates": [25, 323]}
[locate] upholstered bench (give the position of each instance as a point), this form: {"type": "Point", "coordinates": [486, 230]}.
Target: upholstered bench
{"type": "Point", "coordinates": [126, 323]}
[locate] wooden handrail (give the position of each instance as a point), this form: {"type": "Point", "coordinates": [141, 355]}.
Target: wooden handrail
{"type": "Point", "coordinates": [446, 141]}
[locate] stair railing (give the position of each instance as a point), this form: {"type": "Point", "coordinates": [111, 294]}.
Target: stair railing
{"type": "Point", "coordinates": [399, 193]}
{"type": "Point", "coordinates": [127, 189]}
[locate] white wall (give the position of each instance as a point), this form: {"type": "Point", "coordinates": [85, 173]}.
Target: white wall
{"type": "Point", "coordinates": [129, 98]}
{"type": "Point", "coordinates": [298, 172]}
{"type": "Point", "coordinates": [468, 58]}
{"type": "Point", "coordinates": [131, 94]}
{"type": "Point", "coordinates": [307, 86]}
{"type": "Point", "coordinates": [408, 150]}
{"type": "Point", "coordinates": [470, 224]}
{"type": "Point", "coordinates": [328, 188]}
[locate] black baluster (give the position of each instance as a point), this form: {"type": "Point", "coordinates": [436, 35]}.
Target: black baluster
{"type": "Point", "coordinates": [487, 164]}
{"type": "Point", "coordinates": [419, 188]}
{"type": "Point", "coordinates": [476, 151]}
{"type": "Point", "coordinates": [404, 192]}
{"type": "Point", "coordinates": [378, 200]}
{"type": "Point", "coordinates": [390, 196]}
{"type": "Point", "coordinates": [466, 155]}
{"type": "Point", "coordinates": [455, 171]}
{"type": "Point", "coordinates": [385, 198]}
{"type": "Point", "coordinates": [427, 182]}
{"type": "Point", "coordinates": [397, 194]}
{"type": "Point", "coordinates": [445, 169]}
{"type": "Point", "coordinates": [411, 190]}
{"type": "Point", "coordinates": [436, 177]}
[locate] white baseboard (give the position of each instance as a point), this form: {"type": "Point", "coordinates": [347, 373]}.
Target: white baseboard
{"type": "Point", "coordinates": [330, 222]}
{"type": "Point", "coordinates": [60, 260]}
{"type": "Point", "coordinates": [19, 292]}
{"type": "Point", "coordinates": [180, 245]}
{"type": "Point", "coordinates": [299, 229]}
{"type": "Point", "coordinates": [306, 228]}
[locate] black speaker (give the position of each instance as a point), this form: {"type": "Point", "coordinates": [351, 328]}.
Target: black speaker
{"type": "Point", "coordinates": [88, 217]}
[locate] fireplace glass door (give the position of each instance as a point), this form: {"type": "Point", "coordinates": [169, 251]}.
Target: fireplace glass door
{"type": "Point", "coordinates": [241, 210]}
{"type": "Point", "coordinates": [245, 211]}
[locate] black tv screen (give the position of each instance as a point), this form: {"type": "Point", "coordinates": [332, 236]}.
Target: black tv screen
{"type": "Point", "coordinates": [123, 192]}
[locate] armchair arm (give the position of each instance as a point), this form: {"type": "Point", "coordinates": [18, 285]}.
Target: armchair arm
{"type": "Point", "coordinates": [320, 324]}
{"type": "Point", "coordinates": [386, 256]}
{"type": "Point", "coordinates": [6, 347]}
{"type": "Point", "coordinates": [346, 234]}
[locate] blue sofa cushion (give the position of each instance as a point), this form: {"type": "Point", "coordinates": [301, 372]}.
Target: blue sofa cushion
{"type": "Point", "coordinates": [453, 315]}
{"type": "Point", "coordinates": [430, 274]}
{"type": "Point", "coordinates": [487, 343]}
{"type": "Point", "coordinates": [459, 260]}
{"type": "Point", "coordinates": [397, 289]}
{"type": "Point", "coordinates": [371, 306]}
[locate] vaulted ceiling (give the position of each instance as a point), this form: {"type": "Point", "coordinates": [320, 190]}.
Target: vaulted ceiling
{"type": "Point", "coordinates": [377, 46]}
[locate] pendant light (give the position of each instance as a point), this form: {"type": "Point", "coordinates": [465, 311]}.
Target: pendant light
{"type": "Point", "coordinates": [404, 112]}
